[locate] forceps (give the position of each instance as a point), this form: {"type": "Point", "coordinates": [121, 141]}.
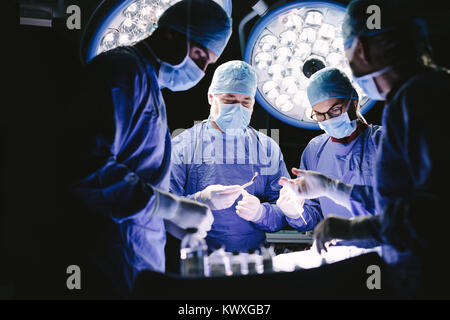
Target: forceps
{"type": "Point", "coordinates": [248, 184]}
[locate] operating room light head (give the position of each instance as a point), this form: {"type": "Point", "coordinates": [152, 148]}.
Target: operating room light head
{"type": "Point", "coordinates": [203, 21]}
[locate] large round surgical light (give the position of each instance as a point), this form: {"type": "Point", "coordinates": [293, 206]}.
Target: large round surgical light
{"type": "Point", "coordinates": [129, 21]}
{"type": "Point", "coordinates": [289, 44]}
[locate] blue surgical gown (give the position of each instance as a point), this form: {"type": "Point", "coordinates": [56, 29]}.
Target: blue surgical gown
{"type": "Point", "coordinates": [203, 156]}
{"type": "Point", "coordinates": [120, 147]}
{"type": "Point", "coordinates": [412, 167]}
{"type": "Point", "coordinates": [351, 163]}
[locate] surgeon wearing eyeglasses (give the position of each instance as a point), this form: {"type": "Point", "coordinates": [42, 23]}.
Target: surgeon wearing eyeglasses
{"type": "Point", "coordinates": [345, 151]}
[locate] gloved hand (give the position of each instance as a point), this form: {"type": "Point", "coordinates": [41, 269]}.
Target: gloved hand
{"type": "Point", "coordinates": [192, 214]}
{"type": "Point", "coordinates": [290, 204]}
{"type": "Point", "coordinates": [331, 228]}
{"type": "Point", "coordinates": [336, 228]}
{"type": "Point", "coordinates": [311, 185]}
{"type": "Point", "coordinates": [249, 208]}
{"type": "Point", "coordinates": [218, 197]}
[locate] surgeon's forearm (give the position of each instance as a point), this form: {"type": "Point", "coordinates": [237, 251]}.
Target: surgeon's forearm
{"type": "Point", "coordinates": [362, 228]}
{"type": "Point", "coordinates": [340, 193]}
{"type": "Point", "coordinates": [163, 205]}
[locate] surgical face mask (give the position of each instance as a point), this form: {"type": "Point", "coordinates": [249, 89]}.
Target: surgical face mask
{"type": "Point", "coordinates": [367, 82]}
{"type": "Point", "coordinates": [340, 126]}
{"type": "Point", "coordinates": [181, 77]}
{"type": "Point", "coordinates": [233, 118]}
{"type": "Point", "coordinates": [368, 85]}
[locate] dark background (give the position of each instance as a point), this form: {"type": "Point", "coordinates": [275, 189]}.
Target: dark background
{"type": "Point", "coordinates": [41, 69]}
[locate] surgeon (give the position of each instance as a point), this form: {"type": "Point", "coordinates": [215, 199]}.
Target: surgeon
{"type": "Point", "coordinates": [346, 150]}
{"type": "Point", "coordinates": [393, 63]}
{"type": "Point", "coordinates": [119, 144]}
{"type": "Point", "coordinates": [215, 159]}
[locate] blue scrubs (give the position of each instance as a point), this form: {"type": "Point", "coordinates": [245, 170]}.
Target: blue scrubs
{"type": "Point", "coordinates": [203, 156]}
{"type": "Point", "coordinates": [120, 146]}
{"type": "Point", "coordinates": [410, 160]}
{"type": "Point", "coordinates": [351, 163]}
{"type": "Point", "coordinates": [412, 172]}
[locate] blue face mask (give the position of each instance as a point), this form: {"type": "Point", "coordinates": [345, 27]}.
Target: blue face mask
{"type": "Point", "coordinates": [181, 77]}
{"type": "Point", "coordinates": [233, 118]}
{"type": "Point", "coordinates": [338, 127]}
{"type": "Point", "coordinates": [367, 82]}
{"type": "Point", "coordinates": [368, 85]}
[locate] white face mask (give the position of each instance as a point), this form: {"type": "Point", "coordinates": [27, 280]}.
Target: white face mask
{"type": "Point", "coordinates": [181, 77]}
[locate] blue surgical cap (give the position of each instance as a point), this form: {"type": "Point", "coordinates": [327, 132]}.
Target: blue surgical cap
{"type": "Point", "coordinates": [392, 15]}
{"type": "Point", "coordinates": [203, 21]}
{"type": "Point", "coordinates": [234, 77]}
{"type": "Point", "coordinates": [330, 83]}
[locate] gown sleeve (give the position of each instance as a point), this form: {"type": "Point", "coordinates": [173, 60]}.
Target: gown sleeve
{"type": "Point", "coordinates": [312, 210]}
{"type": "Point", "coordinates": [102, 114]}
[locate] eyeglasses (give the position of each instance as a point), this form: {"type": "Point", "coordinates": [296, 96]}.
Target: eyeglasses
{"type": "Point", "coordinates": [333, 112]}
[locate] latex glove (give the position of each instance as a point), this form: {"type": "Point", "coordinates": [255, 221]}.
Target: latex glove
{"type": "Point", "coordinates": [218, 197]}
{"type": "Point", "coordinates": [290, 204]}
{"type": "Point", "coordinates": [192, 214]}
{"type": "Point", "coordinates": [330, 229]}
{"type": "Point", "coordinates": [249, 208]}
{"type": "Point", "coordinates": [311, 185]}
{"type": "Point", "coordinates": [336, 228]}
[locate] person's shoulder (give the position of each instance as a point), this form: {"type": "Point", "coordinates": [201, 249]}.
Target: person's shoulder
{"type": "Point", "coordinates": [120, 56]}
{"type": "Point", "coordinates": [415, 97]}
{"type": "Point", "coordinates": [315, 144]}
{"type": "Point", "coordinates": [312, 151]}
{"type": "Point", "coordinates": [187, 134]}
{"type": "Point", "coordinates": [118, 63]}
{"type": "Point", "coordinates": [430, 78]}
{"type": "Point", "coordinates": [263, 137]}
{"type": "Point", "coordinates": [318, 140]}
{"type": "Point", "coordinates": [429, 84]}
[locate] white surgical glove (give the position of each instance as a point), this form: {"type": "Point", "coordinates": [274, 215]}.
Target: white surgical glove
{"type": "Point", "coordinates": [249, 208]}
{"type": "Point", "coordinates": [192, 214]}
{"type": "Point", "coordinates": [218, 197]}
{"type": "Point", "coordinates": [311, 185]}
{"type": "Point", "coordinates": [290, 204]}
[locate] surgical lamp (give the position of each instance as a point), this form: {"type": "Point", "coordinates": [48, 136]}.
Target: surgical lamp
{"type": "Point", "coordinates": [120, 23]}
{"type": "Point", "coordinates": [286, 46]}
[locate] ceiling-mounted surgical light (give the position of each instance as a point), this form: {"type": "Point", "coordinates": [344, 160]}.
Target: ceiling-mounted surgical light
{"type": "Point", "coordinates": [286, 46]}
{"type": "Point", "coordinates": [129, 21]}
